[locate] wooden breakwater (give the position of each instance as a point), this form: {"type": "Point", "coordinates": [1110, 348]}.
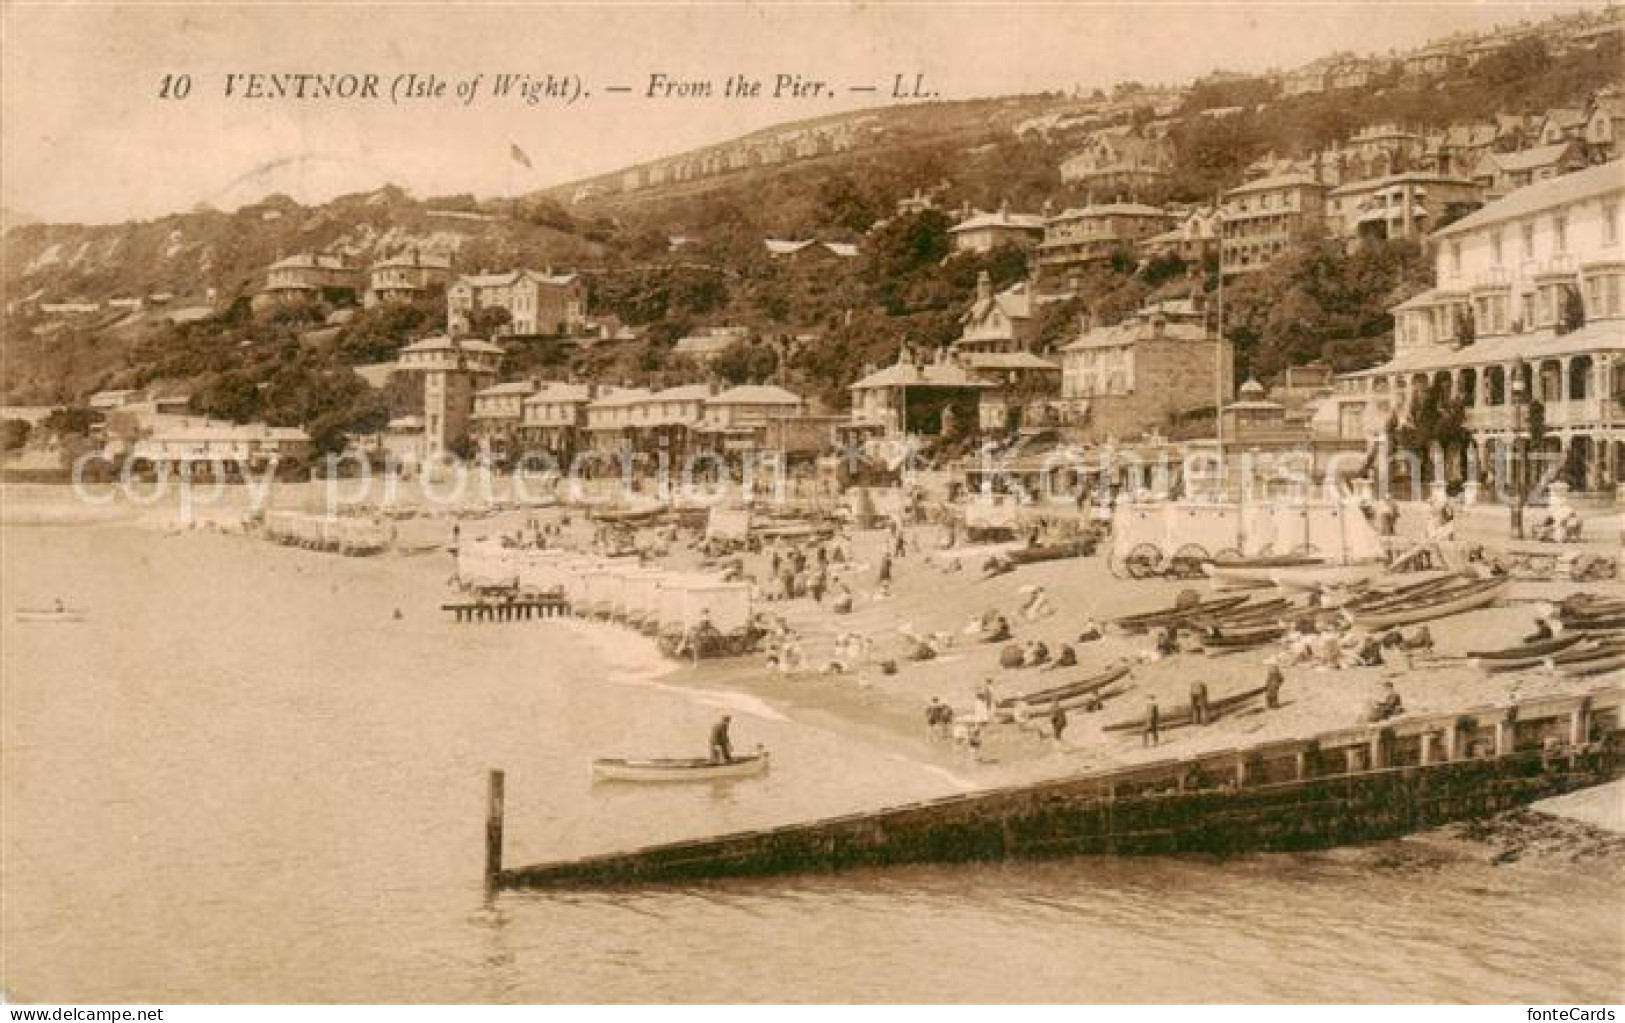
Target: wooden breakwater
{"type": "Point", "coordinates": [516, 609]}
{"type": "Point", "coordinates": [1340, 788]}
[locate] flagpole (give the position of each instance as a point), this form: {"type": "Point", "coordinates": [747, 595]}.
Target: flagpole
{"type": "Point", "coordinates": [1218, 361]}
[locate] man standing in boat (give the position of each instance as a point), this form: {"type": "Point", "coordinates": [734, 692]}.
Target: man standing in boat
{"type": "Point", "coordinates": [721, 747]}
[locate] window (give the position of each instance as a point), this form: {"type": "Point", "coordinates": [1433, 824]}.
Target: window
{"type": "Point", "coordinates": [1560, 231]}
{"type": "Point", "coordinates": [1455, 257]}
{"type": "Point", "coordinates": [1610, 223]}
{"type": "Point", "coordinates": [1496, 249]}
{"type": "Point", "coordinates": [1528, 233]}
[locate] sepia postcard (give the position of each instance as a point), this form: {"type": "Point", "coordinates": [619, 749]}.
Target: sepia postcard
{"type": "Point", "coordinates": [842, 503]}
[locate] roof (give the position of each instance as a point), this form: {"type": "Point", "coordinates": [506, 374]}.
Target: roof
{"type": "Point", "coordinates": [1605, 179]}
{"type": "Point", "coordinates": [930, 374]}
{"type": "Point", "coordinates": [687, 392]}
{"type": "Point", "coordinates": [1006, 360]}
{"type": "Point", "coordinates": [512, 277]}
{"type": "Point", "coordinates": [1502, 350]}
{"type": "Point", "coordinates": [1132, 331]}
{"type": "Point", "coordinates": [1528, 159]}
{"type": "Point", "coordinates": [1265, 184]}
{"type": "Point", "coordinates": [756, 394]}
{"type": "Point", "coordinates": [431, 261]}
{"type": "Point", "coordinates": [1110, 209]}
{"type": "Point", "coordinates": [624, 396]}
{"type": "Point", "coordinates": [511, 387]}
{"type": "Point", "coordinates": [556, 392]}
{"type": "Point", "coordinates": [1000, 219]}
{"type": "Point", "coordinates": [1015, 302]}
{"type": "Point", "coordinates": [310, 261]}
{"type": "Point", "coordinates": [446, 344]}
{"type": "Point", "coordinates": [1417, 177]}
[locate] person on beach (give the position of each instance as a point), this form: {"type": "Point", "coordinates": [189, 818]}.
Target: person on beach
{"type": "Point", "coordinates": [721, 746]}
{"type": "Point", "coordinates": [984, 699]}
{"type": "Point", "coordinates": [885, 569]}
{"type": "Point", "coordinates": [1168, 642]}
{"type": "Point", "coordinates": [1273, 681]}
{"type": "Point", "coordinates": [933, 717]}
{"type": "Point", "coordinates": [1199, 704]}
{"type": "Point", "coordinates": [1091, 630]}
{"type": "Point", "coordinates": [842, 604]}
{"type": "Point", "coordinates": [1057, 722]}
{"type": "Point", "coordinates": [1066, 657]}
{"type": "Point", "coordinates": [1153, 718]}
{"type": "Point", "coordinates": [999, 632]}
{"type": "Point", "coordinates": [1388, 705]}
{"type": "Point", "coordinates": [1543, 631]}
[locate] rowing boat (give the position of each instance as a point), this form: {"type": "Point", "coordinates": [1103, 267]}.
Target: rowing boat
{"type": "Point", "coordinates": [1315, 577]}
{"type": "Point", "coordinates": [1234, 642]}
{"type": "Point", "coordinates": [1082, 687]}
{"type": "Point", "coordinates": [1246, 572]}
{"type": "Point", "coordinates": [1181, 716]}
{"type": "Point", "coordinates": [1407, 591]}
{"type": "Point", "coordinates": [669, 769]}
{"type": "Point", "coordinates": [1596, 666]}
{"type": "Point", "coordinates": [51, 614]}
{"type": "Point", "coordinates": [1526, 655]}
{"type": "Point", "coordinates": [1468, 597]}
{"type": "Point", "coordinates": [1590, 650]}
{"type": "Point", "coordinates": [1148, 620]}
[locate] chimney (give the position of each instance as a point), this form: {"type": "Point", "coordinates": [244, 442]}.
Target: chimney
{"type": "Point", "coordinates": [984, 287]}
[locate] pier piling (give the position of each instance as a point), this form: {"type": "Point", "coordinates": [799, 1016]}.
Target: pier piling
{"type": "Point", "coordinates": [493, 828]}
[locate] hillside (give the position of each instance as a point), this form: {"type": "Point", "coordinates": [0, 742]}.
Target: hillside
{"type": "Point", "coordinates": [679, 243]}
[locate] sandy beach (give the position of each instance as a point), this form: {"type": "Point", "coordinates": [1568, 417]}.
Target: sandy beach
{"type": "Point", "coordinates": [932, 594]}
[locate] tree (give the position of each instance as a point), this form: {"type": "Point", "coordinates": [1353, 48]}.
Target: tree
{"type": "Point", "coordinates": [487, 321]}
{"type": "Point", "coordinates": [745, 362]}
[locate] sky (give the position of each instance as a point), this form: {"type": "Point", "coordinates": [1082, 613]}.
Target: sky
{"type": "Point", "coordinates": [86, 136]}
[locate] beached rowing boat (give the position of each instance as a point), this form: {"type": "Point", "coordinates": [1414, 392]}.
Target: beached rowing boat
{"type": "Point", "coordinates": [1468, 597]}
{"type": "Point", "coordinates": [1525, 655]}
{"type": "Point", "coordinates": [670, 769]}
{"type": "Point", "coordinates": [51, 614]}
{"type": "Point", "coordinates": [1180, 716]}
{"type": "Point", "coordinates": [1246, 572]}
{"type": "Point", "coordinates": [1073, 694]}
{"type": "Point", "coordinates": [1316, 577]}
{"type": "Point", "coordinates": [1236, 641]}
{"type": "Point", "coordinates": [1149, 620]}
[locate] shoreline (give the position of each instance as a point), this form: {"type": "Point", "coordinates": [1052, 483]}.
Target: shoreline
{"type": "Point", "coordinates": [885, 710]}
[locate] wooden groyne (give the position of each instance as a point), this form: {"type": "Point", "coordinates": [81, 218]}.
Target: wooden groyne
{"type": "Point", "coordinates": [518, 609]}
{"type": "Point", "coordinates": [1341, 788]}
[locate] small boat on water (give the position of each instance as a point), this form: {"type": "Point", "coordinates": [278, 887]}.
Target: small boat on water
{"type": "Point", "coordinates": [670, 769]}
{"type": "Point", "coordinates": [51, 614]}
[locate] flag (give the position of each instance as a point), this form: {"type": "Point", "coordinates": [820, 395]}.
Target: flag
{"type": "Point", "coordinates": [519, 156]}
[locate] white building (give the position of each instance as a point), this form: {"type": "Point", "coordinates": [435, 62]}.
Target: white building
{"type": "Point", "coordinates": [1527, 307]}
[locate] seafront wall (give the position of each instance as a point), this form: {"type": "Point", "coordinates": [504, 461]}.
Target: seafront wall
{"type": "Point", "coordinates": [1341, 788]}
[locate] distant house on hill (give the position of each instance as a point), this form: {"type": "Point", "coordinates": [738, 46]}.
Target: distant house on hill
{"type": "Point", "coordinates": [983, 232]}
{"type": "Point", "coordinates": [309, 277]}
{"type": "Point", "coordinates": [537, 303]}
{"type": "Point", "coordinates": [1501, 173]}
{"type": "Point", "coordinates": [407, 276]}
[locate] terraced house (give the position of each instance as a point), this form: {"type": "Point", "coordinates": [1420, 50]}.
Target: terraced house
{"type": "Point", "coordinates": [1526, 308]}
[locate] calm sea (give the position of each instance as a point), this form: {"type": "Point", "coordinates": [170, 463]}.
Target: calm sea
{"type": "Point", "coordinates": [243, 779]}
